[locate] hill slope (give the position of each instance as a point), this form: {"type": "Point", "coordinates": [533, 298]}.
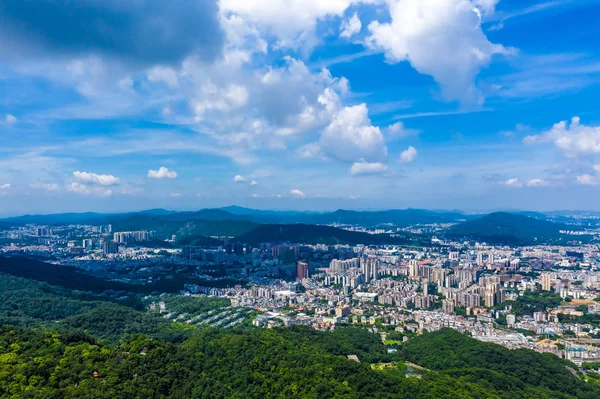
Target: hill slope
{"type": "Point", "coordinates": [315, 234]}
{"type": "Point", "coordinates": [503, 227]}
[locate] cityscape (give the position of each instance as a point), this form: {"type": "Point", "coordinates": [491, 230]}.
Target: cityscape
{"type": "Point", "coordinates": [312, 199]}
{"type": "Point", "coordinates": [543, 297]}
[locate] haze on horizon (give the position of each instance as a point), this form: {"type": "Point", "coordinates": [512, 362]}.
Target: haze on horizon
{"type": "Point", "coordinates": [299, 104]}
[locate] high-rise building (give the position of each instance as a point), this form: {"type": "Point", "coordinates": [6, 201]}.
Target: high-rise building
{"type": "Point", "coordinates": [511, 319]}
{"type": "Point", "coordinates": [413, 268]}
{"type": "Point", "coordinates": [546, 281]}
{"type": "Point", "coordinates": [43, 232]}
{"type": "Point", "coordinates": [480, 259]}
{"type": "Point", "coordinates": [110, 247]}
{"type": "Point", "coordinates": [302, 270]}
{"type": "Point", "coordinates": [370, 268]}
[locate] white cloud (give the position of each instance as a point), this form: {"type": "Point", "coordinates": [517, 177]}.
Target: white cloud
{"type": "Point", "coordinates": [310, 150]}
{"type": "Point", "coordinates": [163, 74]}
{"type": "Point", "coordinates": [586, 180]}
{"type": "Point", "coordinates": [572, 140]}
{"type": "Point", "coordinates": [10, 119]}
{"type": "Point", "coordinates": [514, 183]}
{"type": "Point", "coordinates": [239, 179]}
{"type": "Point", "coordinates": [486, 6]}
{"type": "Point", "coordinates": [597, 168]}
{"type": "Point", "coordinates": [537, 183]}
{"type": "Point", "coordinates": [254, 183]}
{"type": "Point", "coordinates": [93, 178]}
{"type": "Point", "coordinates": [44, 186]}
{"type": "Point", "coordinates": [440, 38]}
{"type": "Point", "coordinates": [367, 168]}
{"type": "Point", "coordinates": [5, 186]}
{"type": "Point", "coordinates": [175, 195]}
{"type": "Point", "coordinates": [162, 173]}
{"type": "Point", "coordinates": [215, 98]}
{"type": "Point", "coordinates": [351, 26]}
{"type": "Point", "coordinates": [83, 189]}
{"type": "Point", "coordinates": [255, 196]}
{"type": "Point", "coordinates": [408, 155]}
{"type": "Point", "coordinates": [291, 22]}
{"type": "Point", "coordinates": [296, 193]}
{"type": "Point", "coordinates": [351, 137]}
{"type": "Point", "coordinates": [399, 131]}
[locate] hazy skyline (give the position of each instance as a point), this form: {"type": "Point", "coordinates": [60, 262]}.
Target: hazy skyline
{"type": "Point", "coordinates": [474, 105]}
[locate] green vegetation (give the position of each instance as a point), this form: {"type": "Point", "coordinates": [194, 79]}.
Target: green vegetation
{"type": "Point", "coordinates": [72, 278]}
{"type": "Point", "coordinates": [29, 303]}
{"type": "Point", "coordinates": [295, 362]}
{"type": "Point", "coordinates": [508, 228]}
{"type": "Point", "coordinates": [60, 343]}
{"type": "Point", "coordinates": [194, 304]}
{"type": "Point", "coordinates": [522, 371]}
{"type": "Point", "coordinates": [531, 302]}
{"type": "Point", "coordinates": [313, 234]}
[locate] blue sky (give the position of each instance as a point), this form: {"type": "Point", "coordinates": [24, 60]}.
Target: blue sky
{"type": "Point", "coordinates": [299, 104]}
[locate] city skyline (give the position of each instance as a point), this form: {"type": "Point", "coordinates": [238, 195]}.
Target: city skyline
{"type": "Point", "coordinates": [481, 105]}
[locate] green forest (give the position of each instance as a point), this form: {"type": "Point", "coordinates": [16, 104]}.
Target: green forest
{"type": "Point", "coordinates": [62, 343]}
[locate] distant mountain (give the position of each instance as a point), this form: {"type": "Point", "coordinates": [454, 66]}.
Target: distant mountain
{"type": "Point", "coordinates": [509, 228]}
{"type": "Point", "coordinates": [316, 234]}
{"type": "Point", "coordinates": [57, 219]}
{"type": "Point", "coordinates": [400, 218]}
{"type": "Point", "coordinates": [396, 217]}
{"type": "Point", "coordinates": [205, 214]}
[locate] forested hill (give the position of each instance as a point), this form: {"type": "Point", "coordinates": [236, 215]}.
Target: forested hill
{"type": "Point", "coordinates": [508, 228]}
{"type": "Point", "coordinates": [58, 343]}
{"type": "Point", "coordinates": [295, 362]}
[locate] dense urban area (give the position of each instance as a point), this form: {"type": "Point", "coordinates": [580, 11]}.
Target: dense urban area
{"type": "Point", "coordinates": [539, 296]}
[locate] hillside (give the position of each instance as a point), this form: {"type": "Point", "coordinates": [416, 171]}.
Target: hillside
{"type": "Point", "coordinates": [397, 217]}
{"type": "Point", "coordinates": [502, 227]}
{"type": "Point", "coordinates": [59, 343]}
{"type": "Point", "coordinates": [71, 278]}
{"type": "Point", "coordinates": [400, 217]}
{"type": "Point", "coordinates": [314, 234]}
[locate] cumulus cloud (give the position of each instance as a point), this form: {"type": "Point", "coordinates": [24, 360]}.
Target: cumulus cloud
{"type": "Point", "coordinates": [537, 183]}
{"type": "Point", "coordinates": [5, 186]}
{"type": "Point", "coordinates": [239, 179]}
{"type": "Point", "coordinates": [367, 168]}
{"type": "Point", "coordinates": [442, 39]}
{"type": "Point", "coordinates": [220, 99]}
{"type": "Point", "coordinates": [163, 74]}
{"type": "Point", "coordinates": [291, 22]}
{"type": "Point", "coordinates": [10, 119]}
{"type": "Point", "coordinates": [514, 183]}
{"type": "Point", "coordinates": [175, 195]}
{"type": "Point", "coordinates": [162, 173]}
{"type": "Point", "coordinates": [296, 193]}
{"type": "Point", "coordinates": [351, 137]}
{"type": "Point", "coordinates": [586, 180]}
{"type": "Point", "coordinates": [572, 139]}
{"type": "Point", "coordinates": [254, 183]}
{"type": "Point", "coordinates": [93, 178]}
{"type": "Point", "coordinates": [399, 131]}
{"type": "Point", "coordinates": [408, 155]}
{"type": "Point", "coordinates": [147, 32]}
{"type": "Point", "coordinates": [350, 26]}
{"type": "Point", "coordinates": [83, 189]}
